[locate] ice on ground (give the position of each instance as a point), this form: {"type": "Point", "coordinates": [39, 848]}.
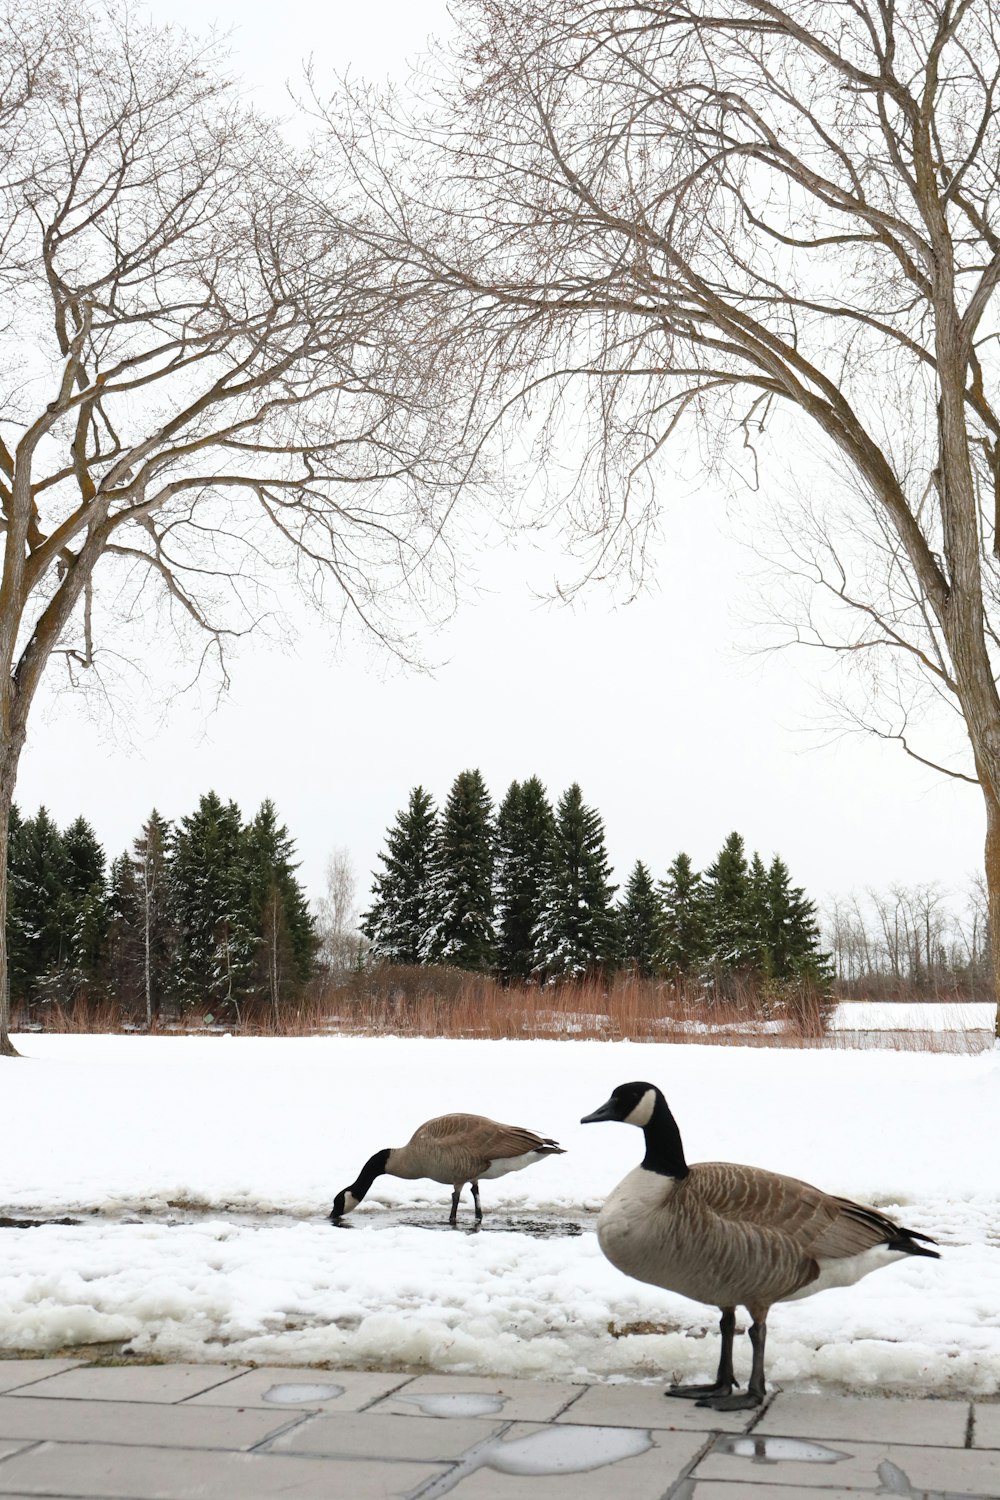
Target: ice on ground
{"type": "Point", "coordinates": [106, 1127]}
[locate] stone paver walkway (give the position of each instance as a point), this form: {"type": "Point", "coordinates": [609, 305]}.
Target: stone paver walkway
{"type": "Point", "coordinates": [225, 1432]}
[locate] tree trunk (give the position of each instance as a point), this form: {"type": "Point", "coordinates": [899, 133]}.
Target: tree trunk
{"type": "Point", "coordinates": [992, 862]}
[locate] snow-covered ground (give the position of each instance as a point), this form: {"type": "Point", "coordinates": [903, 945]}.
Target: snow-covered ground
{"type": "Point", "coordinates": [916, 1015]}
{"type": "Point", "coordinates": [113, 1128]}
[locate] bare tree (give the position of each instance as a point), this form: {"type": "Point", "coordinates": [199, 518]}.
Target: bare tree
{"type": "Point", "coordinates": [755, 221]}
{"type": "Point", "coordinates": [202, 380]}
{"type": "Point", "coordinates": [337, 915]}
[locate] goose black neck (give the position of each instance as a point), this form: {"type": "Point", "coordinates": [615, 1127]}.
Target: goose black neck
{"type": "Point", "coordinates": [664, 1148]}
{"type": "Point", "coordinates": [373, 1167]}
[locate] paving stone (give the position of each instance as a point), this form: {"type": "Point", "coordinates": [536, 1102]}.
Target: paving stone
{"type": "Point", "coordinates": [137, 1422]}
{"type": "Point", "coordinates": [644, 1476]}
{"type": "Point", "coordinates": [114, 1473]}
{"type": "Point", "coordinates": [163, 1383]}
{"type": "Point", "coordinates": [288, 1385]}
{"type": "Point", "coordinates": [18, 1372]}
{"type": "Point", "coordinates": [381, 1435]}
{"type": "Point", "coordinates": [635, 1405]}
{"type": "Point", "coordinates": [870, 1419]}
{"type": "Point", "coordinates": [986, 1425]}
{"type": "Point", "coordinates": [6, 1449]}
{"type": "Point", "coordinates": [719, 1490]}
{"type": "Point", "coordinates": [521, 1400]}
{"type": "Point", "coordinates": [959, 1471]}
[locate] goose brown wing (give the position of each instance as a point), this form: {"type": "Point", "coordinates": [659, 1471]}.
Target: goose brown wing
{"type": "Point", "coordinates": [820, 1225]}
{"type": "Point", "coordinates": [478, 1141]}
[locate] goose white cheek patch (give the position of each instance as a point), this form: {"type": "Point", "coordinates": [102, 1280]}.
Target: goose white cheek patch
{"type": "Point", "coordinates": [643, 1111]}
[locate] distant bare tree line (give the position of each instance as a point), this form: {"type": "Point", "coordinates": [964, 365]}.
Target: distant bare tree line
{"type": "Point", "coordinates": [911, 942]}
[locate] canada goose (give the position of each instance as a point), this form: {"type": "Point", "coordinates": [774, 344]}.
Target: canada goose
{"type": "Point", "coordinates": [732, 1236]}
{"type": "Point", "coordinates": [456, 1149]}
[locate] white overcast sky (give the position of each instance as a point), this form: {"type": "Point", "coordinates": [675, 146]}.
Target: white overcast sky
{"type": "Point", "coordinates": [673, 731]}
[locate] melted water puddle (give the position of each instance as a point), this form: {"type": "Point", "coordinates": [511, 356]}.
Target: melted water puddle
{"type": "Point", "coordinates": [291, 1395]}
{"type": "Point", "coordinates": [457, 1404]}
{"type": "Point", "coordinates": [775, 1450]}
{"type": "Point", "coordinates": [553, 1450]}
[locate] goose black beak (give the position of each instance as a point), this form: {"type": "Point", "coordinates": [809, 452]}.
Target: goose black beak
{"type": "Point", "coordinates": [608, 1111]}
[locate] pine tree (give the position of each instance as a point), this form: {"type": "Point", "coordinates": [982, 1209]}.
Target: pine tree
{"type": "Point", "coordinates": [36, 875]}
{"type": "Point", "coordinates": [640, 920]}
{"type": "Point", "coordinates": [525, 830]}
{"type": "Point", "coordinates": [399, 918]}
{"type": "Point", "coordinates": [758, 917]}
{"type": "Point", "coordinates": [792, 949]}
{"type": "Point", "coordinates": [211, 891]}
{"type": "Point", "coordinates": [150, 863]}
{"type": "Point", "coordinates": [286, 937]}
{"type": "Point", "coordinates": [684, 942]}
{"type": "Point", "coordinates": [727, 923]}
{"type": "Point", "coordinates": [576, 931]}
{"type": "Point", "coordinates": [83, 908]}
{"type": "Point", "coordinates": [461, 894]}
{"type": "Point", "coordinates": [124, 960]}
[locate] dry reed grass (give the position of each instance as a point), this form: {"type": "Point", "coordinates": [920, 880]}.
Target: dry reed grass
{"type": "Point", "coordinates": [430, 1001]}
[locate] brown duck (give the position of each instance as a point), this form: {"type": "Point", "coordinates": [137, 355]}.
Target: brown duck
{"type": "Point", "coordinates": [455, 1149]}
{"type": "Point", "coordinates": [733, 1236]}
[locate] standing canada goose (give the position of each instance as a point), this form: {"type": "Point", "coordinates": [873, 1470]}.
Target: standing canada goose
{"type": "Point", "coordinates": [733, 1236]}
{"type": "Point", "coordinates": [456, 1149]}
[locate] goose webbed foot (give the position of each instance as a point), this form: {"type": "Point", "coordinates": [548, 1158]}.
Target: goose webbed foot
{"type": "Point", "coordinates": [746, 1402]}
{"type": "Point", "coordinates": [696, 1392]}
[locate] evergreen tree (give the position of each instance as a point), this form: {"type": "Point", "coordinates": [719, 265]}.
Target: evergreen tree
{"type": "Point", "coordinates": [758, 916]}
{"type": "Point", "coordinates": [399, 918]}
{"type": "Point", "coordinates": [576, 931]}
{"type": "Point", "coordinates": [157, 928]}
{"type": "Point", "coordinates": [462, 882]}
{"type": "Point", "coordinates": [217, 945]}
{"type": "Point", "coordinates": [83, 913]}
{"type": "Point", "coordinates": [726, 885]}
{"type": "Point", "coordinates": [124, 961]}
{"type": "Point", "coordinates": [684, 942]}
{"type": "Point", "coordinates": [525, 829]}
{"type": "Point", "coordinates": [36, 874]}
{"type": "Point", "coordinates": [286, 937]}
{"type": "Point", "coordinates": [792, 941]}
{"type": "Point", "coordinates": [640, 920]}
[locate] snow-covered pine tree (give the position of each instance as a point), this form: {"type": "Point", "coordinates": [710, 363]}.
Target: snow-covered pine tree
{"type": "Point", "coordinates": [575, 934]}
{"type": "Point", "coordinates": [211, 892]}
{"type": "Point", "coordinates": [82, 909]}
{"type": "Point", "coordinates": [684, 944]}
{"type": "Point", "coordinates": [36, 873]}
{"type": "Point", "coordinates": [461, 894]}
{"type": "Point", "coordinates": [758, 916]}
{"type": "Point", "coordinates": [150, 861]}
{"type": "Point", "coordinates": [284, 927]}
{"type": "Point", "coordinates": [726, 886]}
{"type": "Point", "coordinates": [399, 918]}
{"type": "Point", "coordinates": [640, 923]}
{"type": "Point", "coordinates": [525, 829]}
{"type": "Point", "coordinates": [793, 941]}
{"type": "Point", "coordinates": [123, 970]}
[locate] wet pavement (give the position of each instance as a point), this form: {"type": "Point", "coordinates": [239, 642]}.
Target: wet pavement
{"type": "Point", "coordinates": [230, 1432]}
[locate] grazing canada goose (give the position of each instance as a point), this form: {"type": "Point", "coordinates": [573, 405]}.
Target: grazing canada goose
{"type": "Point", "coordinates": [733, 1236]}
{"type": "Point", "coordinates": [456, 1149]}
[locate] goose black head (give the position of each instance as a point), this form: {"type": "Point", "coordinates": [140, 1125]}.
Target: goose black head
{"type": "Point", "coordinates": [343, 1203]}
{"type": "Point", "coordinates": [631, 1103]}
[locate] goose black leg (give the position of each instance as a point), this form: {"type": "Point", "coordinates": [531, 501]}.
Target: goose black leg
{"type": "Point", "coordinates": [725, 1379]}
{"type": "Point", "coordinates": [453, 1217]}
{"type": "Point", "coordinates": [475, 1199]}
{"type": "Point", "coordinates": [755, 1390]}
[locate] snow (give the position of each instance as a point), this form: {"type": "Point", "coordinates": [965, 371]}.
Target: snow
{"type": "Point", "coordinates": [915, 1015]}
{"type": "Point", "coordinates": [250, 1138]}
